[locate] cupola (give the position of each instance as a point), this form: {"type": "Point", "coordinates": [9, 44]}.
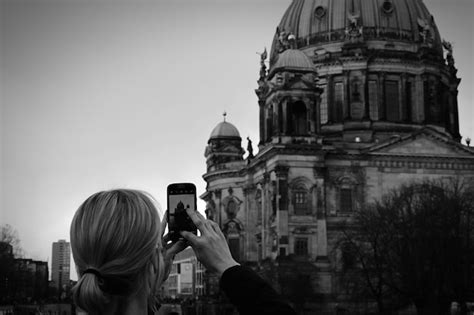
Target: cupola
{"type": "Point", "coordinates": [224, 150]}
{"type": "Point", "coordinates": [292, 60]}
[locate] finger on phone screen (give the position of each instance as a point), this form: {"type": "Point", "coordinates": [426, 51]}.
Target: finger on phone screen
{"type": "Point", "coordinates": [190, 237]}
{"type": "Point", "coordinates": [200, 216]}
{"type": "Point", "coordinates": [197, 220]}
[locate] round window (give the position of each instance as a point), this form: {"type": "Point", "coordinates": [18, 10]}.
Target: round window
{"type": "Point", "coordinates": [387, 7]}
{"type": "Point", "coordinates": [320, 12]}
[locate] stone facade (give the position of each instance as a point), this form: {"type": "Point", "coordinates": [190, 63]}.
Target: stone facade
{"type": "Point", "coordinates": [342, 121]}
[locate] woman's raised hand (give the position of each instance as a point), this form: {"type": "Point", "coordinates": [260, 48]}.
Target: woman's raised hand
{"type": "Point", "coordinates": [210, 247]}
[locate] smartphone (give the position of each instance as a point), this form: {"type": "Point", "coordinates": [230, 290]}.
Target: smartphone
{"type": "Point", "coordinates": [181, 196]}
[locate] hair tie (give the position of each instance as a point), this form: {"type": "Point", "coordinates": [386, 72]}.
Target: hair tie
{"type": "Point", "coordinates": [94, 272]}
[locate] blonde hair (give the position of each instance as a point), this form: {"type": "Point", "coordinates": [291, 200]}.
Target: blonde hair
{"type": "Point", "coordinates": [115, 242]}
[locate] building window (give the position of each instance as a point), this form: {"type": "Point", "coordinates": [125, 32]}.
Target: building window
{"type": "Point", "coordinates": [320, 12]}
{"type": "Point", "coordinates": [373, 100]}
{"type": "Point", "coordinates": [324, 106]}
{"type": "Point", "coordinates": [408, 102]}
{"type": "Point", "coordinates": [346, 200]}
{"type": "Point", "coordinates": [298, 124]}
{"type": "Point", "coordinates": [392, 100]}
{"type": "Point", "coordinates": [301, 246]}
{"type": "Point", "coordinates": [338, 101]}
{"type": "Point", "coordinates": [300, 202]}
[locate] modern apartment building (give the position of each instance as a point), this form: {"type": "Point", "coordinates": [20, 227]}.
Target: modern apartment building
{"type": "Point", "coordinates": [186, 276]}
{"type": "Point", "coordinates": [60, 265]}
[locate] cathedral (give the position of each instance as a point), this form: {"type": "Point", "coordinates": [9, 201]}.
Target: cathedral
{"type": "Point", "coordinates": [355, 97]}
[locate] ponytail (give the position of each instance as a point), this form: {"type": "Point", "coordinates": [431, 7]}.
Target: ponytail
{"type": "Point", "coordinates": [88, 295]}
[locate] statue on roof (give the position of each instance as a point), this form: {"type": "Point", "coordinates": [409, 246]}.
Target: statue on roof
{"type": "Point", "coordinates": [353, 30]}
{"type": "Point", "coordinates": [249, 147]}
{"type": "Point", "coordinates": [425, 31]}
{"type": "Point", "coordinates": [263, 66]}
{"type": "Point", "coordinates": [449, 56]}
{"type": "Point", "coordinates": [285, 40]}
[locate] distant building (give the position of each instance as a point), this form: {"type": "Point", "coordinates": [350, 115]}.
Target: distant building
{"type": "Point", "coordinates": [186, 277]}
{"type": "Point", "coordinates": [21, 280]}
{"type": "Point", "coordinates": [28, 281]}
{"type": "Point", "coordinates": [6, 265]}
{"type": "Point", "coordinates": [60, 265]}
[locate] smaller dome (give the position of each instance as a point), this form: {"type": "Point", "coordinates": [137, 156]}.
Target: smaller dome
{"type": "Point", "coordinates": [225, 130]}
{"type": "Point", "coordinates": [293, 59]}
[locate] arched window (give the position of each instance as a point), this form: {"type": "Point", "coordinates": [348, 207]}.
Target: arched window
{"type": "Point", "coordinates": [346, 195]}
{"type": "Point", "coordinates": [300, 201]}
{"type": "Point", "coordinates": [338, 102]}
{"type": "Point", "coordinates": [298, 123]}
{"type": "Point", "coordinates": [346, 200]}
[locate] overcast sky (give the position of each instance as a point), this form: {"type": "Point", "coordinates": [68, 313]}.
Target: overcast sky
{"type": "Point", "coordinates": [100, 94]}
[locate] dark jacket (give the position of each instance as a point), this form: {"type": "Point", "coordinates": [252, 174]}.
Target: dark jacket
{"type": "Point", "coordinates": [251, 294]}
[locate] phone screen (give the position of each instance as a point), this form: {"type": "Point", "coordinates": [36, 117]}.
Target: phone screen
{"type": "Point", "coordinates": [180, 197]}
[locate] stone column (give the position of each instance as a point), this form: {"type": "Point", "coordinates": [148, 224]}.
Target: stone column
{"type": "Point", "coordinates": [248, 245]}
{"type": "Point", "coordinates": [418, 114]}
{"type": "Point", "coordinates": [403, 97]}
{"type": "Point", "coordinates": [382, 102]}
{"type": "Point", "coordinates": [282, 207]}
{"type": "Point", "coordinates": [265, 205]}
{"type": "Point", "coordinates": [365, 82]}
{"type": "Point", "coordinates": [346, 112]}
{"type": "Point", "coordinates": [330, 98]}
{"type": "Point", "coordinates": [261, 104]}
{"type": "Point", "coordinates": [218, 195]}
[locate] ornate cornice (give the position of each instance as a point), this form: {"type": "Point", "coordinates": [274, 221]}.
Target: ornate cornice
{"type": "Point", "coordinates": [411, 162]}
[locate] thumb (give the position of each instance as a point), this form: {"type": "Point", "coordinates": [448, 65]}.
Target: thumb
{"type": "Point", "coordinates": [190, 237]}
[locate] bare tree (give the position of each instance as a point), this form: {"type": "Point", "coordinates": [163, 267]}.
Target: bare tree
{"type": "Point", "coordinates": [9, 242]}
{"type": "Point", "coordinates": [416, 244]}
{"type": "Point", "coordinates": [8, 235]}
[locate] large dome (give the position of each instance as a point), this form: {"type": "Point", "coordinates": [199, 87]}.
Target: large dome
{"type": "Point", "coordinates": [357, 69]}
{"type": "Point", "coordinates": [320, 22]}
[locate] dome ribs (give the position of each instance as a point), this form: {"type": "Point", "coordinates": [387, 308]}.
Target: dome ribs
{"type": "Point", "coordinates": [339, 15]}
{"type": "Point", "coordinates": [394, 21]}
{"type": "Point", "coordinates": [307, 23]}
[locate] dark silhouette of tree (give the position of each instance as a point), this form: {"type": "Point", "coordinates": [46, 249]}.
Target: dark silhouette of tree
{"type": "Point", "coordinates": [9, 246]}
{"type": "Point", "coordinates": [415, 244]}
{"type": "Point", "coordinates": [9, 236]}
